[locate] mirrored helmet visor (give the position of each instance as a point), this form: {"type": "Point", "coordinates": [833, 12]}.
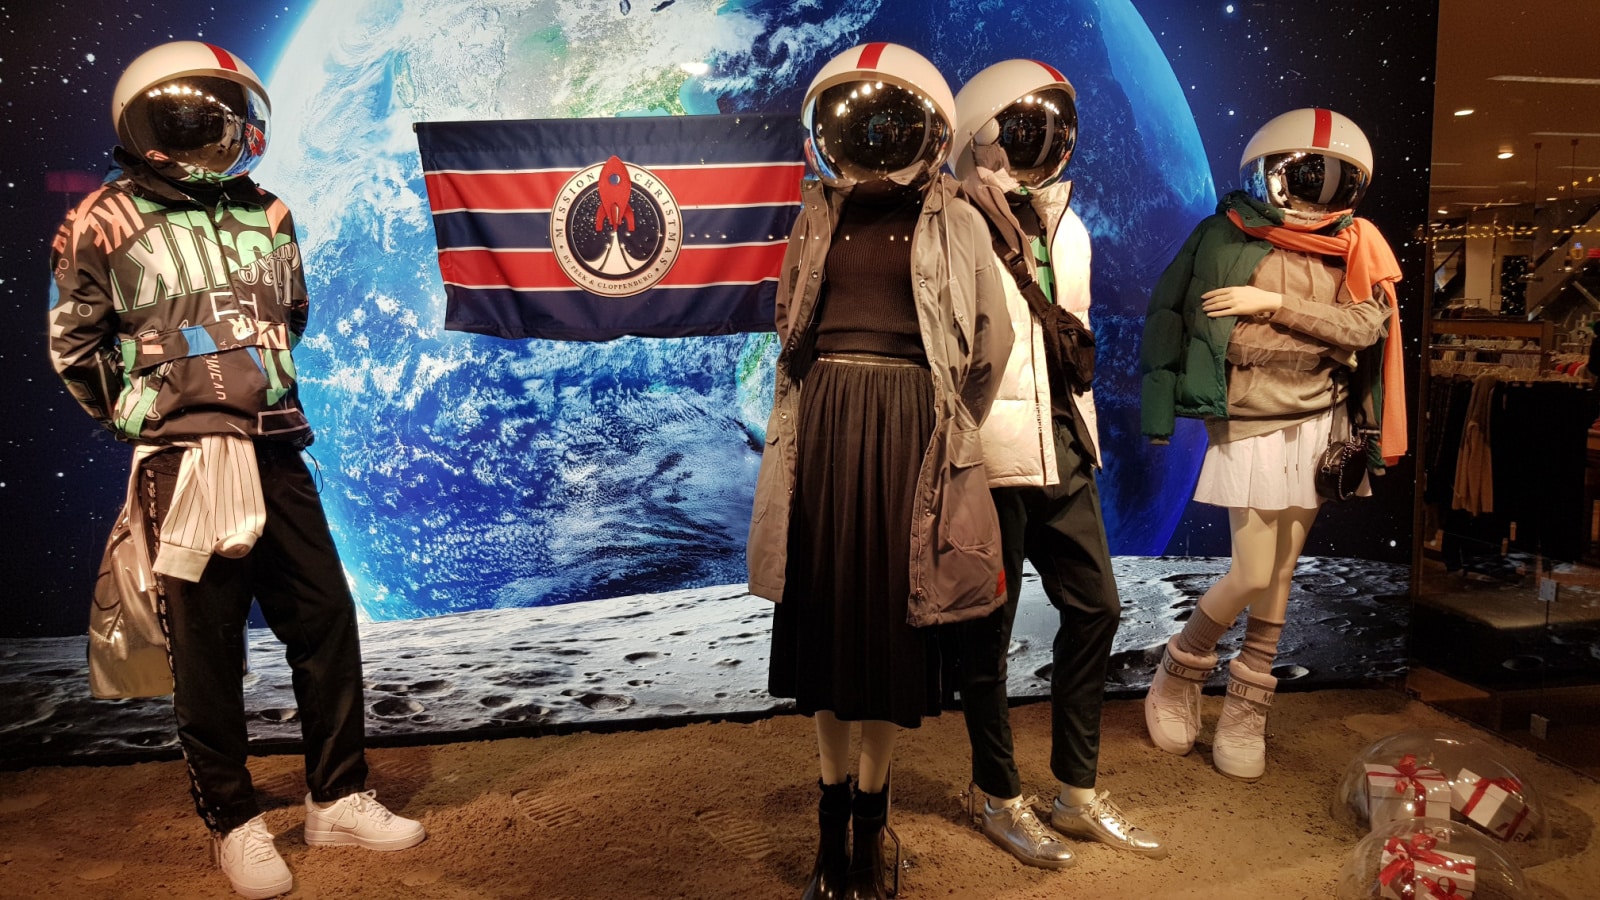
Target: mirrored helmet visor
{"type": "Point", "coordinates": [1306, 182]}
{"type": "Point", "coordinates": [1037, 133]}
{"type": "Point", "coordinates": [862, 131]}
{"type": "Point", "coordinates": [212, 129]}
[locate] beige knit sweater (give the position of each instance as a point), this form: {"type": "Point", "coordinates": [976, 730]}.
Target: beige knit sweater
{"type": "Point", "coordinates": [1281, 367]}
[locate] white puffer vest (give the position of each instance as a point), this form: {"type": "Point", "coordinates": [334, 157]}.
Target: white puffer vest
{"type": "Point", "coordinates": [1018, 447]}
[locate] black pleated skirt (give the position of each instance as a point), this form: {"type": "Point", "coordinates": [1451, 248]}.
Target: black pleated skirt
{"type": "Point", "coordinates": [840, 641]}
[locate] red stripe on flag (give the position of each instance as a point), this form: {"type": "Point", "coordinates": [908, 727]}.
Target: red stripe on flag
{"type": "Point", "coordinates": [708, 186]}
{"type": "Point", "coordinates": [494, 191]}
{"type": "Point", "coordinates": [870, 54]}
{"type": "Point", "coordinates": [694, 266]}
{"type": "Point", "coordinates": [1052, 70]}
{"type": "Point", "coordinates": [1323, 130]}
{"type": "Point", "coordinates": [711, 265]}
{"type": "Point", "coordinates": [224, 58]}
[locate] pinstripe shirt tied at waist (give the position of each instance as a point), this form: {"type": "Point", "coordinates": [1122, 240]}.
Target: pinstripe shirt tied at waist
{"type": "Point", "coordinates": [217, 507]}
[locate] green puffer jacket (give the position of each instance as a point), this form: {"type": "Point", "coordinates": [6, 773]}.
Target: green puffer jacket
{"type": "Point", "coordinates": [1184, 355]}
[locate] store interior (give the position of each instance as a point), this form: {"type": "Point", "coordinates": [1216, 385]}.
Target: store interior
{"type": "Point", "coordinates": [1505, 630]}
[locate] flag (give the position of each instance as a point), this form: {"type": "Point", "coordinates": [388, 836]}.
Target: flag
{"type": "Point", "coordinates": [590, 229]}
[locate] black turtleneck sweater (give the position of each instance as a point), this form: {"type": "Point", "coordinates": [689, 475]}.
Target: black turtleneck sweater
{"type": "Point", "coordinates": [868, 306]}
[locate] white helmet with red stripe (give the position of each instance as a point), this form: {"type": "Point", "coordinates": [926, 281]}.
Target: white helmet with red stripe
{"type": "Point", "coordinates": [877, 112]}
{"type": "Point", "coordinates": [192, 110]}
{"type": "Point", "coordinates": [1019, 115]}
{"type": "Point", "coordinates": [1311, 161]}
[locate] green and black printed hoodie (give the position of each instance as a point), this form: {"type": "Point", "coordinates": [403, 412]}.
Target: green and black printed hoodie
{"type": "Point", "coordinates": [172, 318]}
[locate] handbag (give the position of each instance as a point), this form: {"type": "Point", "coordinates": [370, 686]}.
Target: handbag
{"type": "Point", "coordinates": [1344, 462]}
{"type": "Point", "coordinates": [1068, 342]}
{"type": "Point", "coordinates": [1343, 465]}
{"type": "Point", "coordinates": [127, 647]}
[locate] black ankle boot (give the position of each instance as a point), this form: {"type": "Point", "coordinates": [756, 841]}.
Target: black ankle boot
{"type": "Point", "coordinates": [833, 847]}
{"type": "Point", "coordinates": [868, 814]}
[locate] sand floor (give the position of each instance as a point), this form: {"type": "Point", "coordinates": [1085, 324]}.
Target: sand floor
{"type": "Point", "coordinates": [728, 810]}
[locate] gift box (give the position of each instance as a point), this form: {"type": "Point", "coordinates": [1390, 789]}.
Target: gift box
{"type": "Point", "coordinates": [1405, 790]}
{"type": "Point", "coordinates": [1495, 804]}
{"type": "Point", "coordinates": [1413, 868]}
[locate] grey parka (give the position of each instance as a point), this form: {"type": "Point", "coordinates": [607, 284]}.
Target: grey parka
{"type": "Point", "coordinates": [956, 571]}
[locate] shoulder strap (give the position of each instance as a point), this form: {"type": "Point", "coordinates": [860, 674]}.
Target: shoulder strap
{"type": "Point", "coordinates": [1009, 241]}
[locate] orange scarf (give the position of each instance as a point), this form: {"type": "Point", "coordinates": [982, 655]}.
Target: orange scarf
{"type": "Point", "coordinates": [1368, 261]}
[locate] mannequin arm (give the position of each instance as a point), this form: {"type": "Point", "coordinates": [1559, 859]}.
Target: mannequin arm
{"type": "Point", "coordinates": [1347, 324]}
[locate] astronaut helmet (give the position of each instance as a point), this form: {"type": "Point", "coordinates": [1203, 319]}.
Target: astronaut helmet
{"type": "Point", "coordinates": [1021, 116]}
{"type": "Point", "coordinates": [192, 110]}
{"type": "Point", "coordinates": [1312, 162]}
{"type": "Point", "coordinates": [877, 113]}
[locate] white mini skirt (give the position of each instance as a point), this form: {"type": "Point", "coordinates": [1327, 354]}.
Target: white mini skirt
{"type": "Point", "coordinates": [1276, 470]}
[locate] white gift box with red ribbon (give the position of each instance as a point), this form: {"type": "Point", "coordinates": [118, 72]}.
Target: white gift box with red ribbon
{"type": "Point", "coordinates": [1405, 790]}
{"type": "Point", "coordinates": [1415, 869]}
{"type": "Point", "coordinates": [1496, 804]}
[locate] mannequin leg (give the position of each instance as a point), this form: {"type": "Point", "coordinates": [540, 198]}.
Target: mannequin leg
{"type": "Point", "coordinates": [1239, 747]}
{"type": "Point", "coordinates": [1255, 561]}
{"type": "Point", "coordinates": [877, 746]}
{"type": "Point", "coordinates": [833, 747]}
{"type": "Point", "coordinates": [1293, 525]}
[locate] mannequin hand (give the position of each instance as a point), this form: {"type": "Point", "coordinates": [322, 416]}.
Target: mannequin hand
{"type": "Point", "coordinates": [1001, 179]}
{"type": "Point", "coordinates": [1243, 300]}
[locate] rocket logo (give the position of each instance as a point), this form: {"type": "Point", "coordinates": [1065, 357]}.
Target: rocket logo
{"type": "Point", "coordinates": [615, 228]}
{"type": "Point", "coordinates": [616, 206]}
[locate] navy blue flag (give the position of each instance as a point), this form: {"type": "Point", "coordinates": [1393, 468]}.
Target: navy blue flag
{"type": "Point", "coordinates": [590, 229]}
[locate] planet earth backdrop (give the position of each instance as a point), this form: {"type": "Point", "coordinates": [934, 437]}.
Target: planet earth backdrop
{"type": "Point", "coordinates": [462, 472]}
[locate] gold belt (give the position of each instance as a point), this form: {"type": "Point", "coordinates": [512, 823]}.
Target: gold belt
{"type": "Point", "coordinates": [873, 359]}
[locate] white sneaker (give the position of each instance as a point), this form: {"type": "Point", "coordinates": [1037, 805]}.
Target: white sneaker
{"type": "Point", "coordinates": [251, 861]}
{"type": "Point", "coordinates": [1172, 707]}
{"type": "Point", "coordinates": [1239, 747]}
{"type": "Point", "coordinates": [360, 820]}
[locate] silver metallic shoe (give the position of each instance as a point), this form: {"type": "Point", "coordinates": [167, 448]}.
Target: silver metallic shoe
{"type": "Point", "coordinates": [1102, 821]}
{"type": "Point", "coordinates": [1018, 831]}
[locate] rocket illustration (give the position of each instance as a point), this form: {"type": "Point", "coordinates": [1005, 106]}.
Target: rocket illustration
{"type": "Point", "coordinates": [615, 191]}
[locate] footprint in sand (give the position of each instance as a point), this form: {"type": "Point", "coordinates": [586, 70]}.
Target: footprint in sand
{"type": "Point", "coordinates": [22, 803]}
{"type": "Point", "coordinates": [100, 870]}
{"type": "Point", "coordinates": [422, 877]}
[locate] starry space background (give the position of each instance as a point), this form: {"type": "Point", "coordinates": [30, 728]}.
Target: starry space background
{"type": "Point", "coordinates": [62, 476]}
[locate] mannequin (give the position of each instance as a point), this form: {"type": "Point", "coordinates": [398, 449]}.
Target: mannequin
{"type": "Point", "coordinates": [1016, 129]}
{"type": "Point", "coordinates": [1275, 366]}
{"type": "Point", "coordinates": [872, 519]}
{"type": "Point", "coordinates": [214, 412]}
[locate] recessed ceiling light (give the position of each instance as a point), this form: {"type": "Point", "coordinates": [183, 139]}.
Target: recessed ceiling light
{"type": "Point", "coordinates": [1550, 198]}
{"type": "Point", "coordinates": [1505, 154]}
{"type": "Point", "coordinates": [1442, 211]}
{"type": "Point", "coordinates": [1465, 111]}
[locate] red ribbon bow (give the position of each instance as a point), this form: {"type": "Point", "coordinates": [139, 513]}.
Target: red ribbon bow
{"type": "Point", "coordinates": [1513, 788]}
{"type": "Point", "coordinates": [1411, 776]}
{"type": "Point", "coordinates": [1418, 849]}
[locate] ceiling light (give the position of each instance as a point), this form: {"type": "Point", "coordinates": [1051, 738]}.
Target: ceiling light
{"type": "Point", "coordinates": [1443, 211]}
{"type": "Point", "coordinates": [1543, 79]}
{"type": "Point", "coordinates": [1505, 154]}
{"type": "Point", "coordinates": [1465, 111]}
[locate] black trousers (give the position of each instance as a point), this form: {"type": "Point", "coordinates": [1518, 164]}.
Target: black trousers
{"type": "Point", "coordinates": [1061, 531]}
{"type": "Point", "coordinates": [293, 572]}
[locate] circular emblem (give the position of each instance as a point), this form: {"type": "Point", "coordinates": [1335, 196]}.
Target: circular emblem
{"type": "Point", "coordinates": [615, 229]}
